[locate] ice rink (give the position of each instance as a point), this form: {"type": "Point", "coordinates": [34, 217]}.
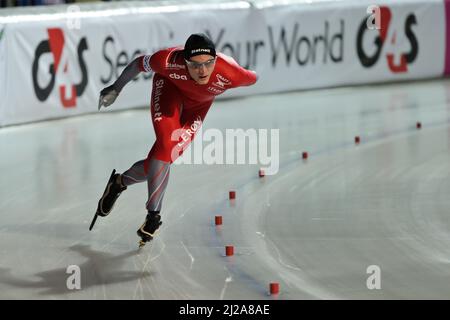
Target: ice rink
{"type": "Point", "coordinates": [315, 227]}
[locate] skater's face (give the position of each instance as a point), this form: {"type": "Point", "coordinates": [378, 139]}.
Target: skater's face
{"type": "Point", "coordinates": [201, 67]}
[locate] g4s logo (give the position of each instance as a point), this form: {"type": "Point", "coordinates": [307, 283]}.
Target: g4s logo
{"type": "Point", "coordinates": [59, 67]}
{"type": "Point", "coordinates": [382, 17]}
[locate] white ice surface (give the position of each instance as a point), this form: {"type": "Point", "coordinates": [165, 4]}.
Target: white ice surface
{"type": "Point", "coordinates": [315, 227]}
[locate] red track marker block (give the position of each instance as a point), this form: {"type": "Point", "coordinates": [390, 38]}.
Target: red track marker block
{"type": "Point", "coordinates": [229, 251]}
{"type": "Point", "coordinates": [261, 173]}
{"type": "Point", "coordinates": [274, 288]}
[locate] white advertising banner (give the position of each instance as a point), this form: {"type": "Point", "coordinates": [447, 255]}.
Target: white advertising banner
{"type": "Point", "coordinates": [55, 66]}
{"type": "Point", "coordinates": [3, 71]}
{"type": "Point", "coordinates": [61, 65]}
{"type": "Point", "coordinates": [326, 45]}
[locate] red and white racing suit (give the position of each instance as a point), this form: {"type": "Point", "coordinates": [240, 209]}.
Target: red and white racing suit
{"type": "Point", "coordinates": [178, 108]}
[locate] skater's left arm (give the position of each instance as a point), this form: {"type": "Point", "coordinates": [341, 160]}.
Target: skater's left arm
{"type": "Point", "coordinates": [240, 76]}
{"type": "Point", "coordinates": [248, 77]}
{"type": "Point", "coordinates": [245, 77]}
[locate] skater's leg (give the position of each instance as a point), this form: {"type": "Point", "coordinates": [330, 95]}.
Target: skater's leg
{"type": "Point", "coordinates": [157, 181]}
{"type": "Point", "coordinates": [157, 177]}
{"type": "Point", "coordinates": [135, 174]}
{"type": "Point", "coordinates": [174, 134]}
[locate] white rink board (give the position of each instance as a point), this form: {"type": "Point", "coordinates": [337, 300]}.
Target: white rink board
{"type": "Point", "coordinates": [292, 47]}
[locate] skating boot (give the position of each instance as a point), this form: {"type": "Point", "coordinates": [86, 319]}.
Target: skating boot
{"type": "Point", "coordinates": [148, 228]}
{"type": "Point", "coordinates": [112, 191]}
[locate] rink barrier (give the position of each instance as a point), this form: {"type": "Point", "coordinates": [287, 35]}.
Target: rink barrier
{"type": "Point", "coordinates": [447, 38]}
{"type": "Point", "coordinates": [55, 60]}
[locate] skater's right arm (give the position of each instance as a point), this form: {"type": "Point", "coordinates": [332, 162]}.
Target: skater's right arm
{"type": "Point", "coordinates": [109, 94]}
{"type": "Point", "coordinates": [147, 63]}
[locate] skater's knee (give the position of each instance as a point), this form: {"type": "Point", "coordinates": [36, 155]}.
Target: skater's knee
{"type": "Point", "coordinates": [157, 154]}
{"type": "Point", "coordinates": [166, 150]}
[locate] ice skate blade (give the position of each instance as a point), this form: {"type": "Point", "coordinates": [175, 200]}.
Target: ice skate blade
{"type": "Point", "coordinates": [93, 221]}
{"type": "Point", "coordinates": [142, 243]}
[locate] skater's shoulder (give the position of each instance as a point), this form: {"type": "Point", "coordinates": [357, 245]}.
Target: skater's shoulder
{"type": "Point", "coordinates": [169, 58]}
{"type": "Point", "coordinates": [225, 59]}
{"type": "Point", "coordinates": [170, 53]}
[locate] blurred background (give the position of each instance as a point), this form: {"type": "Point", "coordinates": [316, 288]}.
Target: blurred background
{"type": "Point", "coordinates": [20, 3]}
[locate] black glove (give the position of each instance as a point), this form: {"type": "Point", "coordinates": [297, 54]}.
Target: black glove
{"type": "Point", "coordinates": [107, 96]}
